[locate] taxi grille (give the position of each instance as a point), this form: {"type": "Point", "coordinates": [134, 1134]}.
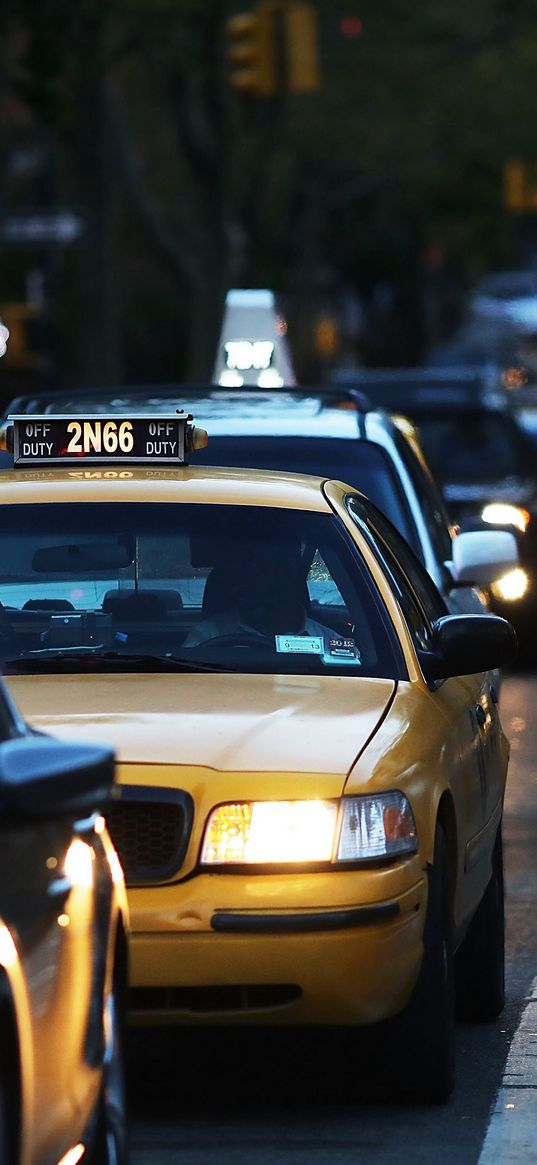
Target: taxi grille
{"type": "Point", "coordinates": [204, 1000]}
{"type": "Point", "coordinates": [150, 829]}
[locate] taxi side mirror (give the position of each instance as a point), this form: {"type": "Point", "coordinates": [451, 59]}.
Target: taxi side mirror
{"type": "Point", "coordinates": [465, 644]}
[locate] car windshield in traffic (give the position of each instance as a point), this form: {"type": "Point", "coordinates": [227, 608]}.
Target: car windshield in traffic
{"type": "Point", "coordinates": [244, 588]}
{"type": "Point", "coordinates": [362, 464]}
{"type": "Point", "coordinates": [471, 446]}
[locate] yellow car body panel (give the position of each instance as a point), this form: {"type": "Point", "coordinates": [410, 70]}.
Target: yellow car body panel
{"type": "Point", "coordinates": [225, 486]}
{"type": "Point", "coordinates": [294, 738]}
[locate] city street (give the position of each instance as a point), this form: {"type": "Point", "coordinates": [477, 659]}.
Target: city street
{"type": "Point", "coordinates": [199, 1098]}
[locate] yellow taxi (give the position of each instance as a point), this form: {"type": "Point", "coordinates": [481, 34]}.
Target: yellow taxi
{"type": "Point", "coordinates": [311, 761]}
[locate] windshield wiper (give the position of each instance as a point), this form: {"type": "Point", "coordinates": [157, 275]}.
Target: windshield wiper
{"type": "Point", "coordinates": [68, 659]}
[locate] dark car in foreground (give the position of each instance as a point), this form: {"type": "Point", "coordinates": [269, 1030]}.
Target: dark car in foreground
{"type": "Point", "coordinates": [63, 953]}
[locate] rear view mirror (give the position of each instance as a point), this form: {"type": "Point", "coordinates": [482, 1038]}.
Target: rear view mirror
{"type": "Point", "coordinates": [83, 557]}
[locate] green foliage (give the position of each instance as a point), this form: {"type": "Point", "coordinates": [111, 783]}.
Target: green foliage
{"type": "Point", "coordinates": [403, 148]}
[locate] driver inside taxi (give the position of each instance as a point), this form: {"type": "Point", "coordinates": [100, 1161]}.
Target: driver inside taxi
{"type": "Point", "coordinates": [258, 596]}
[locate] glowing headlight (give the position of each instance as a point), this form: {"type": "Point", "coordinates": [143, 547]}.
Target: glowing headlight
{"type": "Point", "coordinates": [78, 864]}
{"type": "Point", "coordinates": [505, 514]}
{"type": "Point", "coordinates": [270, 831]}
{"type": "Point", "coordinates": [378, 826]}
{"type": "Point", "coordinates": [8, 950]}
{"type": "Point", "coordinates": [512, 586]}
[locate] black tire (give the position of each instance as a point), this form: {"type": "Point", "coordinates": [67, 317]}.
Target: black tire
{"type": "Point", "coordinates": [8, 1155]}
{"type": "Point", "coordinates": [10, 1077]}
{"type": "Point", "coordinates": [109, 1145]}
{"type": "Point", "coordinates": [480, 960]}
{"type": "Point", "coordinates": [5, 1150]}
{"type": "Point", "coordinates": [424, 1034]}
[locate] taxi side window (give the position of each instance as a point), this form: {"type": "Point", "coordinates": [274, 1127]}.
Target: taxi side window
{"type": "Point", "coordinates": [419, 599]}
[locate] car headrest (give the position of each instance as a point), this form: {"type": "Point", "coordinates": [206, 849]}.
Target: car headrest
{"type": "Point", "coordinates": [48, 605]}
{"type": "Point", "coordinates": [134, 605]}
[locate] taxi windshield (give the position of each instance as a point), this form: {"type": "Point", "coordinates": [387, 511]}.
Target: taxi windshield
{"type": "Point", "coordinates": [198, 587]}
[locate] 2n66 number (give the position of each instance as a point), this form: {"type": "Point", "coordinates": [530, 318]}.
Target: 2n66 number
{"type": "Point", "coordinates": [97, 437]}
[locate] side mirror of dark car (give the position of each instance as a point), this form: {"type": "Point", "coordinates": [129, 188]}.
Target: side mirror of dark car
{"type": "Point", "coordinates": [41, 777]}
{"type": "Point", "coordinates": [465, 644]}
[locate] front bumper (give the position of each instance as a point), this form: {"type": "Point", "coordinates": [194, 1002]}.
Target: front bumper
{"type": "Point", "coordinates": [265, 955]}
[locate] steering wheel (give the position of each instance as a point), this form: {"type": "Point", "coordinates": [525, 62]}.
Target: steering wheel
{"type": "Point", "coordinates": [241, 639]}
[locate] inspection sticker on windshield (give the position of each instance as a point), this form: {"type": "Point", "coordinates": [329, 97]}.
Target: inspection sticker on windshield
{"type": "Point", "coordinates": [342, 650]}
{"type": "Point", "coordinates": [300, 644]}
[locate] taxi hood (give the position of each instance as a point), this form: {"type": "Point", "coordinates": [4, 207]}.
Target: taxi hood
{"type": "Point", "coordinates": [255, 723]}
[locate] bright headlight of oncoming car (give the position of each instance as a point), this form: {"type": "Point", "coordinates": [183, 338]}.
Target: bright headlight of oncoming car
{"type": "Point", "coordinates": [505, 514]}
{"type": "Point", "coordinates": [362, 828]}
{"type": "Point", "coordinates": [512, 586]}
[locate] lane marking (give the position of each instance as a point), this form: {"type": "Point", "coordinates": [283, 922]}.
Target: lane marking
{"type": "Point", "coordinates": [512, 1135]}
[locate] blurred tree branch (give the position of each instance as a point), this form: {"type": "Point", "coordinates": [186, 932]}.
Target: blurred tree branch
{"type": "Point", "coordinates": [405, 142]}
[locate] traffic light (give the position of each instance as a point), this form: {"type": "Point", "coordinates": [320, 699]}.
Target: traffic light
{"type": "Point", "coordinates": [327, 337]}
{"type": "Point", "coordinates": [252, 51]}
{"type": "Point", "coordinates": [274, 47]}
{"type": "Point", "coordinates": [302, 47]}
{"type": "Point", "coordinates": [19, 319]}
{"type": "Point", "coordinates": [520, 186]}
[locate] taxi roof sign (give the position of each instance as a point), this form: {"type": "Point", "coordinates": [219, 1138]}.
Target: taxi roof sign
{"type": "Point", "coordinates": [253, 351]}
{"type": "Point", "coordinates": [97, 439]}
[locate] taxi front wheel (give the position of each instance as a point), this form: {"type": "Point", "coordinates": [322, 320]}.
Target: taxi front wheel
{"type": "Point", "coordinates": [7, 1149]}
{"type": "Point", "coordinates": [480, 961]}
{"type": "Point", "coordinates": [423, 1036]}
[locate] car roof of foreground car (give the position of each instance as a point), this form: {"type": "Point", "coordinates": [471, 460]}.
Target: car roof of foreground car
{"type": "Point", "coordinates": [120, 482]}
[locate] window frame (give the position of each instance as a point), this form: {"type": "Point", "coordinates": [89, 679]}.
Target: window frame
{"type": "Point", "coordinates": [412, 585]}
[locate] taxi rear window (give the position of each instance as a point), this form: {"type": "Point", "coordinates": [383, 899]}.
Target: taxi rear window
{"type": "Point", "coordinates": [242, 588]}
{"type": "Point", "coordinates": [361, 464]}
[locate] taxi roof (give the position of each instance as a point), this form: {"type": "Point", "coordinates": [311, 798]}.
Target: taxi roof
{"type": "Point", "coordinates": [123, 482]}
